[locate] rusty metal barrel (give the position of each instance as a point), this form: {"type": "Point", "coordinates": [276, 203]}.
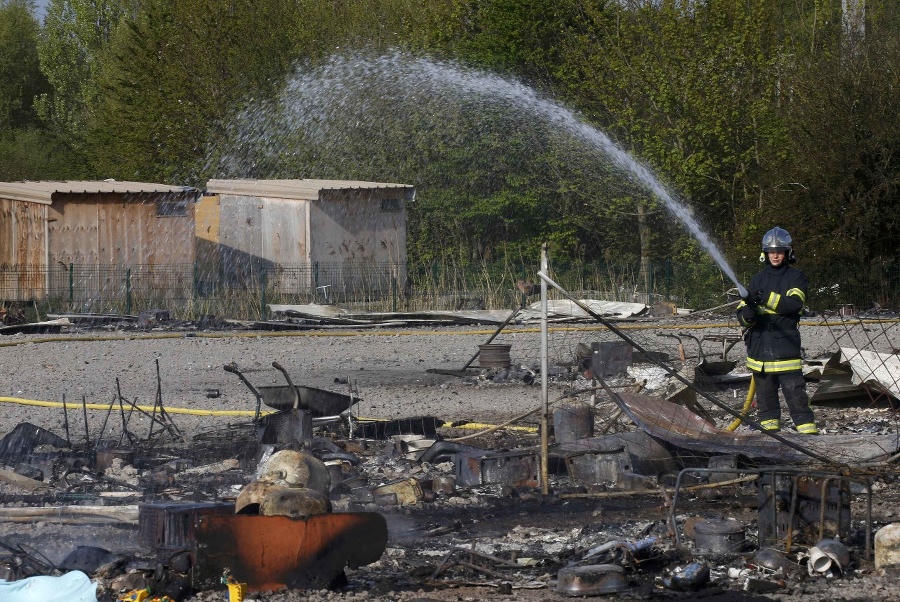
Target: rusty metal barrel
{"type": "Point", "coordinates": [494, 356]}
{"type": "Point", "coordinates": [573, 421]}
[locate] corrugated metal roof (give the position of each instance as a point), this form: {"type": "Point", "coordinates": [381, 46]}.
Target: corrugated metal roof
{"type": "Point", "coordinates": [305, 190]}
{"type": "Point", "coordinates": [43, 191]}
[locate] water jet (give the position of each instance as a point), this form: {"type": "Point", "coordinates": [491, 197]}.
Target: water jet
{"type": "Point", "coordinates": [353, 92]}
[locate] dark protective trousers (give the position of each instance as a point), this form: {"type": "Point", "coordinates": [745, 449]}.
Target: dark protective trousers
{"type": "Point", "coordinates": [794, 388]}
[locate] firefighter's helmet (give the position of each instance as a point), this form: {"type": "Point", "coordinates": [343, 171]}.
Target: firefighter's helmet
{"type": "Point", "coordinates": [778, 239]}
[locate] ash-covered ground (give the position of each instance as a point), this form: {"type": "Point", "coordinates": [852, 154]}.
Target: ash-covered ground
{"type": "Point", "coordinates": [403, 373]}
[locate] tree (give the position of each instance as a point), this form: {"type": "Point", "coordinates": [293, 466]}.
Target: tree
{"type": "Point", "coordinates": [72, 44]}
{"type": "Point", "coordinates": [27, 149]}
{"type": "Point", "coordinates": [20, 77]}
{"type": "Point", "coordinates": [845, 140]}
{"type": "Point", "coordinates": [34, 153]}
{"type": "Point", "coordinates": [176, 76]}
{"type": "Point", "coordinates": [692, 89]}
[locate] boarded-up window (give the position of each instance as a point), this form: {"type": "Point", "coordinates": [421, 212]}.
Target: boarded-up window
{"type": "Point", "coordinates": [391, 204]}
{"type": "Point", "coordinates": [171, 208]}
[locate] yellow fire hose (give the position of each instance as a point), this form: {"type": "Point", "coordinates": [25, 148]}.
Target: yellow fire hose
{"type": "Point", "coordinates": [746, 409]}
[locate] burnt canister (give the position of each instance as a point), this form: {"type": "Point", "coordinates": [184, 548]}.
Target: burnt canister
{"type": "Point", "coordinates": [573, 421]}
{"type": "Point", "coordinates": [719, 536]}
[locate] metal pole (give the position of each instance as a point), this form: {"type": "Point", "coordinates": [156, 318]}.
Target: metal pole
{"type": "Point", "coordinates": [545, 368]}
{"type": "Point", "coordinates": [263, 282]}
{"type": "Point", "coordinates": [66, 420]}
{"type": "Point", "coordinates": [394, 293]}
{"type": "Point", "coordinates": [87, 432]}
{"type": "Point", "coordinates": [523, 299]}
{"type": "Point", "coordinates": [128, 290]}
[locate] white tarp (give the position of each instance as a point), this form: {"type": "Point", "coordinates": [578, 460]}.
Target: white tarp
{"type": "Point", "coordinates": [558, 309]}
{"type": "Point", "coordinates": [74, 586]}
{"type": "Point", "coordinates": [563, 308]}
{"type": "Point", "coordinates": [869, 366]}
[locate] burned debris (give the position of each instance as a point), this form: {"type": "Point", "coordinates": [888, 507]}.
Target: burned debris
{"type": "Point", "coordinates": [649, 489]}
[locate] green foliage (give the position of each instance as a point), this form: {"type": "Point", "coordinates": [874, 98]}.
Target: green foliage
{"type": "Point", "coordinates": [75, 35]}
{"type": "Point", "coordinates": [846, 139]}
{"type": "Point", "coordinates": [35, 154]}
{"type": "Point", "coordinates": [177, 73]}
{"type": "Point", "coordinates": [755, 113]}
{"type": "Point", "coordinates": [20, 77]}
{"type": "Point", "coordinates": [525, 37]}
{"type": "Point", "coordinates": [691, 87]}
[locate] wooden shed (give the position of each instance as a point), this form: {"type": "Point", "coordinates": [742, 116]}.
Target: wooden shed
{"type": "Point", "coordinates": [345, 229]}
{"type": "Point", "coordinates": [45, 226]}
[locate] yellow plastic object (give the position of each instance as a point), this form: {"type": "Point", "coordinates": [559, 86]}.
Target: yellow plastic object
{"type": "Point", "coordinates": [135, 595]}
{"type": "Point", "coordinates": [236, 592]}
{"type": "Point", "coordinates": [746, 409]}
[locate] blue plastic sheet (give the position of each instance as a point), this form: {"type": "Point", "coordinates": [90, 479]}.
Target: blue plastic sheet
{"type": "Point", "coordinates": [74, 586]}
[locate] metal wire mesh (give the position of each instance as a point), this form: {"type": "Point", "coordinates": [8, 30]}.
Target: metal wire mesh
{"type": "Point", "coordinates": [687, 386]}
{"type": "Point", "coordinates": [242, 290]}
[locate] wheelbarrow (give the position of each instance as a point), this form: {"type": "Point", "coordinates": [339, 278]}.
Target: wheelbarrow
{"type": "Point", "coordinates": [719, 366]}
{"type": "Point", "coordinates": [320, 403]}
{"type": "Point", "coordinates": [705, 366]}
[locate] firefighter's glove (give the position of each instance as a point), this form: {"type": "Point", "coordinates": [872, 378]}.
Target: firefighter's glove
{"type": "Point", "coordinates": [748, 314]}
{"type": "Point", "coordinates": [755, 298]}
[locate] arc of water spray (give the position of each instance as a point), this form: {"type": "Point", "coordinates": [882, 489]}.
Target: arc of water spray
{"type": "Point", "coordinates": [566, 118]}
{"type": "Point", "coordinates": [311, 98]}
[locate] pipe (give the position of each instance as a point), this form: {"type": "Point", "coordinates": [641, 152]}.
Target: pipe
{"type": "Point", "coordinates": [392, 333]}
{"type": "Point", "coordinates": [104, 407]}
{"type": "Point", "coordinates": [746, 408]}
{"type": "Point", "coordinates": [545, 379]}
{"type": "Point", "coordinates": [287, 377]}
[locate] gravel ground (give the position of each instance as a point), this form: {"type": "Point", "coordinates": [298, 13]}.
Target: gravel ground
{"type": "Point", "coordinates": [388, 367]}
{"type": "Point", "coordinates": [388, 370]}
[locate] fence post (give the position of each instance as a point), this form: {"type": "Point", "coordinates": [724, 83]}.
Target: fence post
{"type": "Point", "coordinates": [127, 291]}
{"type": "Point", "coordinates": [668, 265]}
{"type": "Point", "coordinates": [263, 276]}
{"type": "Point", "coordinates": [394, 293]}
{"type": "Point", "coordinates": [71, 285]}
{"type": "Point", "coordinates": [523, 299]}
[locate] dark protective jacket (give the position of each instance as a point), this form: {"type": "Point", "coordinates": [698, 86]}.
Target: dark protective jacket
{"type": "Point", "coordinates": [772, 337]}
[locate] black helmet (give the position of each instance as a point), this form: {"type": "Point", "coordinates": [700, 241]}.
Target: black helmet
{"type": "Point", "coordinates": [777, 239]}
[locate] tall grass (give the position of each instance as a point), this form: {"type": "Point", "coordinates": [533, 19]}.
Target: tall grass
{"type": "Point", "coordinates": [422, 286]}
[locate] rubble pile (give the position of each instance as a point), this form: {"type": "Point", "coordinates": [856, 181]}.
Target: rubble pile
{"type": "Point", "coordinates": [635, 489]}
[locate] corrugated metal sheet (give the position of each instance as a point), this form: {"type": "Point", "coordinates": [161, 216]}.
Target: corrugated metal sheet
{"type": "Point", "coordinates": [303, 190]}
{"type": "Point", "coordinates": [43, 191]}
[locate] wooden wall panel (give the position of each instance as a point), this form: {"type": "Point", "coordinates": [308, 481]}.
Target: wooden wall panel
{"type": "Point", "coordinates": [171, 239]}
{"type": "Point", "coordinates": [112, 229]}
{"type": "Point", "coordinates": [240, 235]}
{"type": "Point", "coordinates": [74, 237]}
{"type": "Point", "coordinates": [23, 254]}
{"type": "Point", "coordinates": [7, 233]}
{"type": "Point", "coordinates": [283, 231]}
{"type": "Point", "coordinates": [207, 222]}
{"type": "Point", "coordinates": [31, 225]}
{"type": "Point", "coordinates": [352, 225]}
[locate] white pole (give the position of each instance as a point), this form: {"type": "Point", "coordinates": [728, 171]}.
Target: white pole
{"type": "Point", "coordinates": [545, 399]}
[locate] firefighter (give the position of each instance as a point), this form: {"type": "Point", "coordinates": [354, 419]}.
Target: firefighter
{"type": "Point", "coordinates": [770, 313]}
